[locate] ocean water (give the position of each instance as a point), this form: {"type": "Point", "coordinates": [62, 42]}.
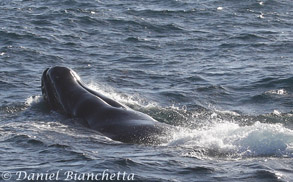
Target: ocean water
{"type": "Point", "coordinates": [219, 71]}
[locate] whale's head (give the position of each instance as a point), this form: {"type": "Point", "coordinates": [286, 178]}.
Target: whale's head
{"type": "Point", "coordinates": [55, 81]}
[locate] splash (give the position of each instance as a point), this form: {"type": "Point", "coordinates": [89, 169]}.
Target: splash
{"type": "Point", "coordinates": [33, 100]}
{"type": "Point", "coordinates": [231, 139]}
{"type": "Point", "coordinates": [134, 100]}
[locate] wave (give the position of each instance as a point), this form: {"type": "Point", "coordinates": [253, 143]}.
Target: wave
{"type": "Point", "coordinates": [272, 82]}
{"type": "Point", "coordinates": [139, 24]}
{"type": "Point", "coordinates": [24, 140]}
{"type": "Point", "coordinates": [229, 139]}
{"type": "Point", "coordinates": [22, 35]}
{"type": "Point", "coordinates": [249, 37]}
{"type": "Point", "coordinates": [161, 13]}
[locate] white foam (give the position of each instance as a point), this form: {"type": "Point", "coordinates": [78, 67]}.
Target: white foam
{"type": "Point", "coordinates": [265, 139]}
{"type": "Point", "coordinates": [255, 140]}
{"type": "Point", "coordinates": [32, 100]}
{"type": "Point", "coordinates": [276, 112]}
{"type": "Point", "coordinates": [261, 16]}
{"type": "Point", "coordinates": [232, 113]}
{"type": "Point", "coordinates": [277, 92]}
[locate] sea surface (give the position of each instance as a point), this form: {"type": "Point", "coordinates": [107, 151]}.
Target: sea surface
{"type": "Point", "coordinates": [219, 71]}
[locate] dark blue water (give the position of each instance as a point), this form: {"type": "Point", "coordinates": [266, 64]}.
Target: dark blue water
{"type": "Point", "coordinates": [220, 71]}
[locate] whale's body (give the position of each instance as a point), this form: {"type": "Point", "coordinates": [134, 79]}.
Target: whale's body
{"type": "Point", "coordinates": [64, 92]}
